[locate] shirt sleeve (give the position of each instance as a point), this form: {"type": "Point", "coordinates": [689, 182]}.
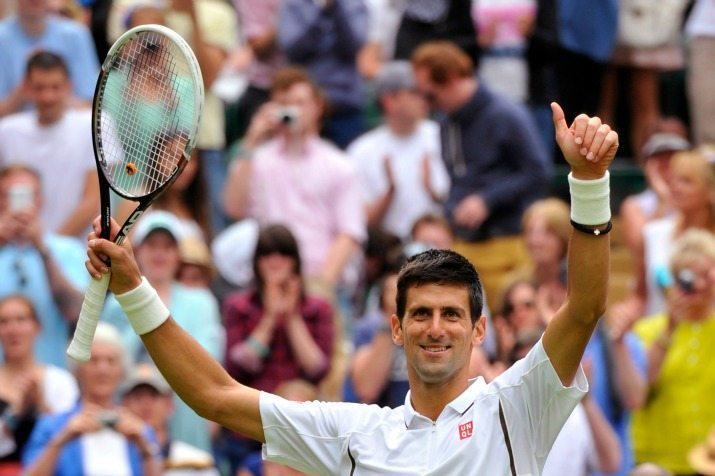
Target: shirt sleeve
{"type": "Point", "coordinates": [535, 401]}
{"type": "Point", "coordinates": [349, 213]}
{"type": "Point", "coordinates": [308, 436]}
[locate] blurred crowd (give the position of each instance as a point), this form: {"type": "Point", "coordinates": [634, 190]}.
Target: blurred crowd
{"type": "Point", "coordinates": [339, 138]}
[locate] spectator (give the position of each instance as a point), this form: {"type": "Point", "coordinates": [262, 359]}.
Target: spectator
{"type": "Point", "coordinates": [432, 231]}
{"type": "Point", "coordinates": [156, 239]}
{"type": "Point", "coordinates": [378, 371]}
{"type": "Point", "coordinates": [289, 175]}
{"type": "Point", "coordinates": [96, 434]}
{"type": "Point", "coordinates": [325, 38]}
{"type": "Point", "coordinates": [146, 394]}
{"type": "Point", "coordinates": [45, 267]}
{"type": "Point", "coordinates": [436, 20]}
{"type": "Point", "coordinates": [496, 163]}
{"type": "Point", "coordinates": [653, 203]}
{"type": "Point", "coordinates": [379, 48]}
{"type": "Point", "coordinates": [259, 23]}
{"type": "Point", "coordinates": [58, 138]}
{"type": "Point", "coordinates": [276, 331]}
{"type": "Point", "coordinates": [197, 269]}
{"type": "Point", "coordinates": [680, 343]}
{"type": "Point", "coordinates": [28, 389]}
{"type": "Point", "coordinates": [644, 59]}
{"type": "Point", "coordinates": [32, 28]}
{"type": "Point", "coordinates": [403, 176]}
{"type": "Point", "coordinates": [210, 28]}
{"type": "Point", "coordinates": [503, 27]}
{"type": "Point", "coordinates": [546, 230]}
{"type": "Point", "coordinates": [700, 31]}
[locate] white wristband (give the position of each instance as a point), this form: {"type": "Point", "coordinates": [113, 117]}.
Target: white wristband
{"type": "Point", "coordinates": [590, 200]}
{"type": "Point", "coordinates": [143, 308]}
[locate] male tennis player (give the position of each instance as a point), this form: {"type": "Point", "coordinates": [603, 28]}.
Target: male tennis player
{"type": "Point", "coordinates": [448, 424]}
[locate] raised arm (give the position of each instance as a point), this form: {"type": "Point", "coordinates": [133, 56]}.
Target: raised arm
{"type": "Point", "coordinates": [589, 147]}
{"type": "Point", "coordinates": [194, 375]}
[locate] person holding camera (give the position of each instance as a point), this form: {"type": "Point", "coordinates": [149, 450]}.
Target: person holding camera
{"type": "Point", "coordinates": [288, 175]}
{"type": "Point", "coordinates": [97, 436]}
{"type": "Point", "coordinates": [680, 347]}
{"type": "Point", "coordinates": [43, 266]}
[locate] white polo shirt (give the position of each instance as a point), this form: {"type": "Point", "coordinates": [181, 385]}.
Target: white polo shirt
{"type": "Point", "coordinates": [467, 438]}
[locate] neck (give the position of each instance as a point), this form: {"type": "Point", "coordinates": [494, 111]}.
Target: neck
{"type": "Point", "coordinates": [401, 127]}
{"type": "Point", "coordinates": [101, 401]}
{"type": "Point", "coordinates": [162, 436]}
{"type": "Point", "coordinates": [20, 365]}
{"type": "Point", "coordinates": [430, 399]}
{"type": "Point", "coordinates": [32, 25]}
{"type": "Point", "coordinates": [295, 144]}
{"type": "Point", "coordinates": [50, 119]}
{"type": "Point", "coordinates": [700, 313]}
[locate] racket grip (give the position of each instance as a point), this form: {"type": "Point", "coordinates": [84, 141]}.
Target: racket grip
{"type": "Point", "coordinates": [81, 345]}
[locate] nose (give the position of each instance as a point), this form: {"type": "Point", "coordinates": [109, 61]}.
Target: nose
{"type": "Point", "coordinates": [435, 329]}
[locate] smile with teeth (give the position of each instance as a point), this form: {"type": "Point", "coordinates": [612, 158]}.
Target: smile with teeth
{"type": "Point", "coordinates": [435, 348]}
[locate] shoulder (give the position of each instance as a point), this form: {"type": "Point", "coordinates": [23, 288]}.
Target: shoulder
{"type": "Point", "coordinates": [60, 245]}
{"type": "Point", "coordinates": [650, 327]}
{"type": "Point", "coordinates": [67, 27]}
{"type": "Point", "coordinates": [368, 141]}
{"type": "Point", "coordinates": [19, 121]}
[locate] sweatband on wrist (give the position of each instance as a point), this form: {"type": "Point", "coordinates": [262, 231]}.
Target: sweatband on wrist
{"type": "Point", "coordinates": [590, 200]}
{"type": "Point", "coordinates": [143, 308]}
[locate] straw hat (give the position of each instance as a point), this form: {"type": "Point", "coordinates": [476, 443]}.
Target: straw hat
{"type": "Point", "coordinates": [702, 457]}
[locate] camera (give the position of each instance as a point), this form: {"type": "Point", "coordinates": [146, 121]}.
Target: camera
{"type": "Point", "coordinates": [288, 115]}
{"type": "Point", "coordinates": [20, 197]}
{"type": "Point", "coordinates": [108, 418]}
{"type": "Point", "coordinates": [686, 280]}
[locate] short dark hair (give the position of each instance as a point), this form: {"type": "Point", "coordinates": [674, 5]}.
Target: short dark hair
{"type": "Point", "coordinates": [275, 238]}
{"type": "Point", "coordinates": [46, 61]}
{"type": "Point", "coordinates": [440, 267]}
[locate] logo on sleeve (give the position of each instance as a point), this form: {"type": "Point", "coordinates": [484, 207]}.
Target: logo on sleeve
{"type": "Point", "coordinates": [465, 430]}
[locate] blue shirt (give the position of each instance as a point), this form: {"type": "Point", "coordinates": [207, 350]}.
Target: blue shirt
{"type": "Point", "coordinates": [69, 461]}
{"type": "Point", "coordinates": [619, 418]}
{"type": "Point", "coordinates": [491, 148]}
{"type": "Point", "coordinates": [197, 312]}
{"type": "Point", "coordinates": [23, 272]}
{"type": "Point", "coordinates": [326, 43]}
{"type": "Point", "coordinates": [588, 28]}
{"type": "Point", "coordinates": [69, 39]}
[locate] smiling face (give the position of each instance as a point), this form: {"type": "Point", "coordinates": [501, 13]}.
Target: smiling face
{"type": "Point", "coordinates": [438, 335]}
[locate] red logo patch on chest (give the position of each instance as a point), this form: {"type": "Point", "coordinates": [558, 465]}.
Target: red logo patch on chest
{"type": "Point", "coordinates": [465, 430]}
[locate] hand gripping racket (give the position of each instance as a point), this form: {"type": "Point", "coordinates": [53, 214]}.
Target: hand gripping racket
{"type": "Point", "coordinates": [145, 117]}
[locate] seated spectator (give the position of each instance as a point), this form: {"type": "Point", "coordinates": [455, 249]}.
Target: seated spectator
{"type": "Point", "coordinates": [156, 240]}
{"type": "Point", "coordinates": [197, 269]}
{"type": "Point", "coordinates": [400, 164]}
{"type": "Point", "coordinates": [28, 389]}
{"type": "Point", "coordinates": [96, 434]}
{"type": "Point", "coordinates": [432, 231]}
{"type": "Point", "coordinates": [146, 394]}
{"type": "Point", "coordinates": [57, 137]}
{"type": "Point", "coordinates": [275, 331]}
{"type": "Point", "coordinates": [45, 267]}
{"type": "Point", "coordinates": [378, 370]}
{"type": "Point", "coordinates": [653, 203]}
{"type": "Point", "coordinates": [289, 175]}
{"type": "Point", "coordinates": [680, 347]}
{"type": "Point", "coordinates": [33, 27]}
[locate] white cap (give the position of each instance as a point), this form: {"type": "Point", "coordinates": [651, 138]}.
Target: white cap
{"type": "Point", "coordinates": [157, 220]}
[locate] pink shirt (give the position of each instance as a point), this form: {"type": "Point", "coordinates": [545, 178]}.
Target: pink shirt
{"type": "Point", "coordinates": [316, 194]}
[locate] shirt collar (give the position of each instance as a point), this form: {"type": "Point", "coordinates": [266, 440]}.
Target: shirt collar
{"type": "Point", "coordinates": [460, 404]}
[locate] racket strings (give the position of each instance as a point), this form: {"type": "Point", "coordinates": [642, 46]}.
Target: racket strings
{"type": "Point", "coordinates": [147, 113]}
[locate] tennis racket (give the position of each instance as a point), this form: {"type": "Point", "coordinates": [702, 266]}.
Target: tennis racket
{"type": "Point", "coordinates": [145, 117]}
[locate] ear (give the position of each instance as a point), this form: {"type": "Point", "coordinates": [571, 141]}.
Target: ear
{"type": "Point", "coordinates": [479, 331]}
{"type": "Point", "coordinates": [397, 336]}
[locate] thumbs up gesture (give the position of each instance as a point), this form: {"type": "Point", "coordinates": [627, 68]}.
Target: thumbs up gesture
{"type": "Point", "coordinates": [588, 145]}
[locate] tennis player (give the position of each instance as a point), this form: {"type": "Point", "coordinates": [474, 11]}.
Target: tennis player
{"type": "Point", "coordinates": [448, 424]}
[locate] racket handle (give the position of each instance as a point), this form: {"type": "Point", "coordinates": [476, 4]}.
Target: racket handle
{"type": "Point", "coordinates": [81, 345]}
